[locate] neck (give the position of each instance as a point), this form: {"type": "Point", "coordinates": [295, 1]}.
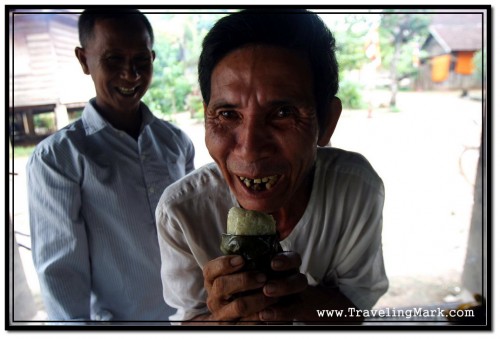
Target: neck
{"type": "Point", "coordinates": [128, 121]}
{"type": "Point", "coordinates": [288, 216]}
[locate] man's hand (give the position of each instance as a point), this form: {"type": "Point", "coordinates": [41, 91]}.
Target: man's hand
{"type": "Point", "coordinates": [234, 296]}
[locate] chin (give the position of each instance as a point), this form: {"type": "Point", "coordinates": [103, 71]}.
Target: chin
{"type": "Point", "coordinates": [260, 206]}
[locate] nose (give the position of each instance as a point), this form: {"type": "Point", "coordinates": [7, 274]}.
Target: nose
{"type": "Point", "coordinates": [254, 140]}
{"type": "Point", "coordinates": [129, 71]}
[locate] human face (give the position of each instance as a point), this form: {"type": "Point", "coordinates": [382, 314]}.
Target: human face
{"type": "Point", "coordinates": [261, 127]}
{"type": "Point", "coordinates": [119, 59]}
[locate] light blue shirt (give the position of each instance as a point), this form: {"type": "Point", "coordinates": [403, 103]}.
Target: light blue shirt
{"type": "Point", "coordinates": [93, 192]}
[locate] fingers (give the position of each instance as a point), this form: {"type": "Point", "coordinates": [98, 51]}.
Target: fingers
{"type": "Point", "coordinates": [272, 315]}
{"type": "Point", "coordinates": [232, 294]}
{"type": "Point", "coordinates": [224, 287]}
{"type": "Point", "coordinates": [285, 261]}
{"type": "Point", "coordinates": [244, 307]}
{"type": "Point", "coordinates": [292, 284]}
{"type": "Point", "coordinates": [250, 304]}
{"type": "Point", "coordinates": [222, 266]}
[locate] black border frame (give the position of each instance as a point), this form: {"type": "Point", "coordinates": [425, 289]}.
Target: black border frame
{"type": "Point", "coordinates": [400, 326]}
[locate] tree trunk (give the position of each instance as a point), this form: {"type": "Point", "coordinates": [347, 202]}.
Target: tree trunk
{"type": "Point", "coordinates": [394, 71]}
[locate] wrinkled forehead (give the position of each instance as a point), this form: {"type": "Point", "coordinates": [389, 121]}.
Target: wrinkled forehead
{"type": "Point", "coordinates": [265, 61]}
{"type": "Point", "coordinates": [266, 72]}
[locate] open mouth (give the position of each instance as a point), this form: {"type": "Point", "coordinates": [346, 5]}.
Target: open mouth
{"type": "Point", "coordinates": [260, 184]}
{"type": "Point", "coordinates": [127, 91]}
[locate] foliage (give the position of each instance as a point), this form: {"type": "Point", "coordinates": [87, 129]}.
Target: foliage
{"type": "Point", "coordinates": [400, 32]}
{"type": "Point", "coordinates": [45, 120]}
{"type": "Point", "coordinates": [403, 25]}
{"type": "Point", "coordinates": [479, 65]}
{"type": "Point", "coordinates": [178, 39]}
{"type": "Point", "coordinates": [23, 151]}
{"type": "Point", "coordinates": [350, 40]}
{"type": "Point", "coordinates": [350, 94]}
{"type": "Point", "coordinates": [169, 86]}
{"type": "Point", "coordinates": [194, 104]}
{"type": "Point", "coordinates": [350, 32]}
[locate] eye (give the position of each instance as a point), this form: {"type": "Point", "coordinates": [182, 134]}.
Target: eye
{"type": "Point", "coordinates": [114, 59]}
{"type": "Point", "coordinates": [143, 60]}
{"type": "Point", "coordinates": [285, 112]}
{"type": "Point", "coordinates": [228, 115]}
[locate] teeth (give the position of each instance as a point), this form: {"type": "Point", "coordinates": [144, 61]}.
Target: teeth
{"type": "Point", "coordinates": [259, 184]}
{"type": "Point", "coordinates": [247, 182]}
{"type": "Point", "coordinates": [126, 90]}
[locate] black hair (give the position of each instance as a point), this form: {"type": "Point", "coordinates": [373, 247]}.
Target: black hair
{"type": "Point", "coordinates": [296, 29]}
{"type": "Point", "coordinates": [88, 18]}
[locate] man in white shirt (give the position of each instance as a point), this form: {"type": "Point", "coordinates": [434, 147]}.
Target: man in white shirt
{"type": "Point", "coordinates": [268, 81]}
{"type": "Point", "coordinates": [94, 185]}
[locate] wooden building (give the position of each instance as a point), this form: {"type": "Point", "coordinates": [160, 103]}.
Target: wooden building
{"type": "Point", "coordinates": [450, 47]}
{"type": "Point", "coordinates": [45, 77]}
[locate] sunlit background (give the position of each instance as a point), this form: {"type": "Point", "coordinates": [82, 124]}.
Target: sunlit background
{"type": "Point", "coordinates": [412, 87]}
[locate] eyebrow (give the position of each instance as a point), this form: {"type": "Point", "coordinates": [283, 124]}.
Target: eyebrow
{"type": "Point", "coordinates": [224, 104]}
{"type": "Point", "coordinates": [121, 50]}
{"type": "Point", "coordinates": [221, 103]}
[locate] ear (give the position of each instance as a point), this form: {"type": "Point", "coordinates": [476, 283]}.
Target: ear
{"type": "Point", "coordinates": [153, 55]}
{"type": "Point", "coordinates": [205, 107]}
{"type": "Point", "coordinates": [82, 58]}
{"type": "Point", "coordinates": [331, 119]}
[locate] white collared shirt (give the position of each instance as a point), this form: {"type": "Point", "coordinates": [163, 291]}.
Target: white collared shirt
{"type": "Point", "coordinates": [339, 236]}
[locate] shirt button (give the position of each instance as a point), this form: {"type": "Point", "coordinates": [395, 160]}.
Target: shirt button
{"type": "Point", "coordinates": [151, 189]}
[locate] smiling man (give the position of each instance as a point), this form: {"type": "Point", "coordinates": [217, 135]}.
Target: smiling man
{"type": "Point", "coordinates": [268, 82]}
{"type": "Point", "coordinates": [94, 185]}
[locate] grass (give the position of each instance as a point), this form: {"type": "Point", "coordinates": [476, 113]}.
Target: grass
{"type": "Point", "coordinates": [394, 109]}
{"type": "Point", "coordinates": [23, 151]}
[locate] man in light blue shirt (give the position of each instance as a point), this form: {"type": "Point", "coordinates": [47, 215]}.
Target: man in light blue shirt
{"type": "Point", "coordinates": [94, 185]}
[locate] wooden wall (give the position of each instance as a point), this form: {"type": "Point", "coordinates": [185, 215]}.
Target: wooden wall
{"type": "Point", "coordinates": [43, 67]}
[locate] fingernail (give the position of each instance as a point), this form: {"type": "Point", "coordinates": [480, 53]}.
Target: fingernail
{"type": "Point", "coordinates": [270, 288]}
{"type": "Point", "coordinates": [266, 315]}
{"type": "Point", "coordinates": [278, 263]}
{"type": "Point", "coordinates": [236, 261]}
{"type": "Point", "coordinates": [261, 277]}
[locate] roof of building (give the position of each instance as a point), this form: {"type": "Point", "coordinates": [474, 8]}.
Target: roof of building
{"type": "Point", "coordinates": [456, 32]}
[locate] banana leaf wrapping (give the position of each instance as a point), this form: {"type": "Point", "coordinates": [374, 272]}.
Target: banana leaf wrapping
{"type": "Point", "coordinates": [257, 250]}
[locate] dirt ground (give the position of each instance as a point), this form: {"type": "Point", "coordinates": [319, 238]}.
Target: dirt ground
{"type": "Point", "coordinates": [426, 153]}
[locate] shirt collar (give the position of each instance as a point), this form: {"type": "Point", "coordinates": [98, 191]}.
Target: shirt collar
{"type": "Point", "coordinates": [94, 122]}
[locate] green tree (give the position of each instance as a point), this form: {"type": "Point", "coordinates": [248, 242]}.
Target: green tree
{"type": "Point", "coordinates": [399, 31]}
{"type": "Point", "coordinates": [169, 85]}
{"type": "Point", "coordinates": [178, 38]}
{"type": "Point", "coordinates": [350, 32]}
{"type": "Point", "coordinates": [350, 36]}
{"type": "Point", "coordinates": [480, 64]}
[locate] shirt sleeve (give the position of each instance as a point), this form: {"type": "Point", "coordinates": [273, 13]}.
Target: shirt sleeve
{"type": "Point", "coordinates": [181, 274]}
{"type": "Point", "coordinates": [59, 239]}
